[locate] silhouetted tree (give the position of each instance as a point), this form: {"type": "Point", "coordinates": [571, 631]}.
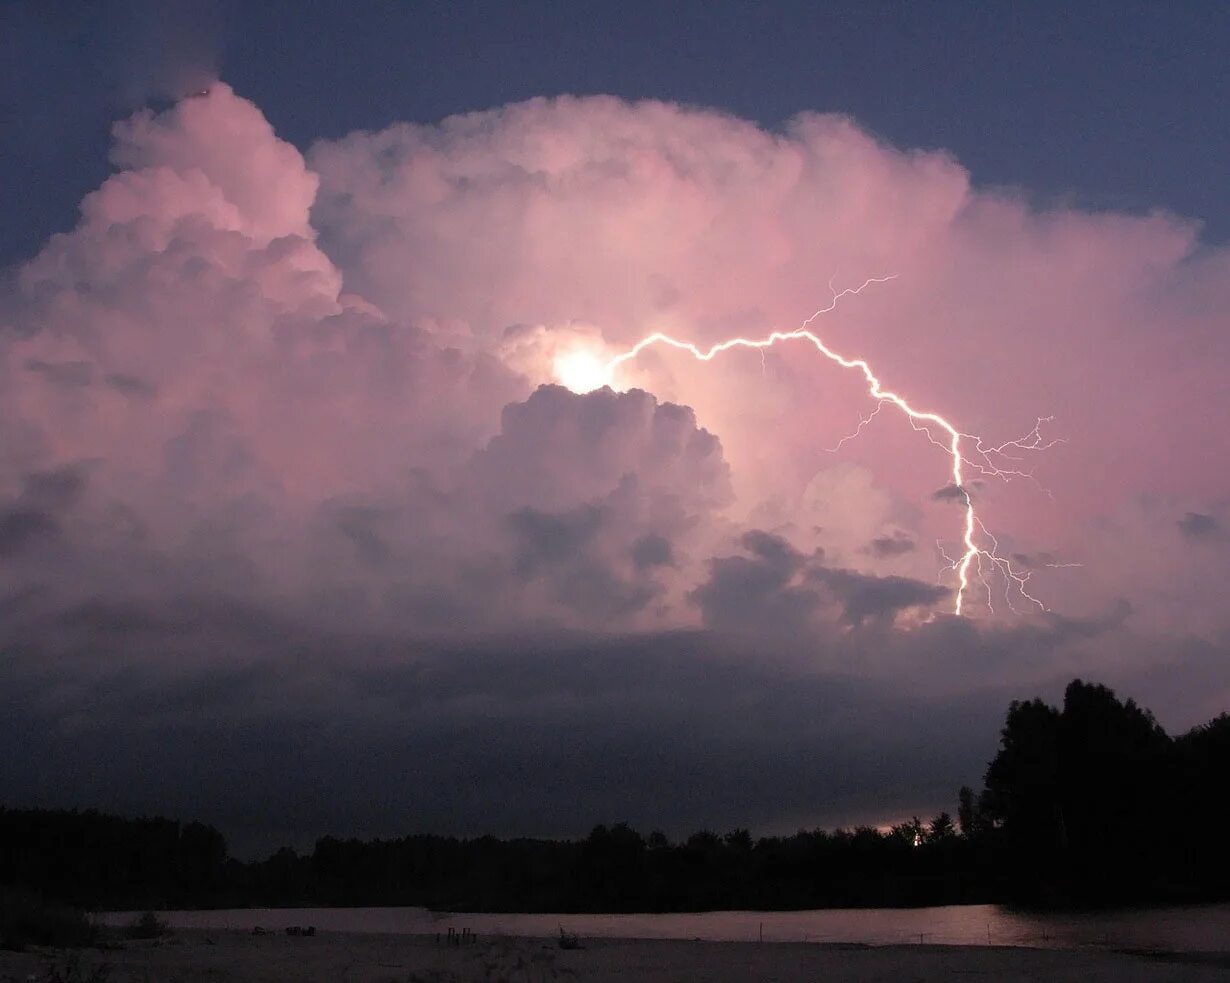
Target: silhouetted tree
{"type": "Point", "coordinates": [613, 867]}
{"type": "Point", "coordinates": [969, 815]}
{"type": "Point", "coordinates": [940, 828]}
{"type": "Point", "coordinates": [1113, 787]}
{"type": "Point", "coordinates": [1078, 797]}
{"type": "Point", "coordinates": [1022, 781]}
{"type": "Point", "coordinates": [910, 832]}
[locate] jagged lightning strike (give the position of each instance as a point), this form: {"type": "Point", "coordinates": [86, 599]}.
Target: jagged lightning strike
{"type": "Point", "coordinates": [583, 372]}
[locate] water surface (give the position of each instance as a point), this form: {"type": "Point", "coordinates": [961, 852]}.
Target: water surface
{"type": "Point", "coordinates": [1181, 929]}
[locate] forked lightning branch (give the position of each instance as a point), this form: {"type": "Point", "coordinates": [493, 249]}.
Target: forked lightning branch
{"type": "Point", "coordinates": [980, 556]}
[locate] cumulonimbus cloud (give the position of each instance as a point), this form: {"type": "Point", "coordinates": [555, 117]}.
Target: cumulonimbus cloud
{"type": "Point", "coordinates": [319, 390]}
{"type": "Point", "coordinates": [236, 339]}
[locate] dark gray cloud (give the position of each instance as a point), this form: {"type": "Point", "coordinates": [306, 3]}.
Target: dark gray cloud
{"type": "Point", "coordinates": [545, 539]}
{"type": "Point", "coordinates": [1033, 560]}
{"type": "Point", "coordinates": [865, 597]}
{"type": "Point", "coordinates": [56, 489]}
{"type": "Point", "coordinates": [258, 725]}
{"type": "Point", "coordinates": [31, 518]}
{"type": "Point", "coordinates": [950, 493]}
{"type": "Point", "coordinates": [557, 449]}
{"type": "Point", "coordinates": [563, 551]}
{"type": "Point", "coordinates": [536, 735]}
{"type": "Point", "coordinates": [1199, 526]}
{"type": "Point", "coordinates": [130, 385]}
{"type": "Point", "coordinates": [779, 590]}
{"type": "Point", "coordinates": [362, 529]}
{"type": "Point", "coordinates": [102, 619]}
{"type": "Point", "coordinates": [23, 529]}
{"type": "Point", "coordinates": [652, 550]}
{"type": "Point", "coordinates": [758, 593]}
{"type": "Point", "coordinates": [893, 545]}
{"type": "Point", "coordinates": [68, 374]}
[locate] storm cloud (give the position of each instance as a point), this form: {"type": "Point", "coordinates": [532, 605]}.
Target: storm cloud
{"type": "Point", "coordinates": [289, 485]}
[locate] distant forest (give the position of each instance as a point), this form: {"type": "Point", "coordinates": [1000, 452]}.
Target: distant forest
{"type": "Point", "coordinates": [1088, 804]}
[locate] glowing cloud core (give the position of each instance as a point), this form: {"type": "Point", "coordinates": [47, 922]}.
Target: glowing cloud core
{"type": "Point", "coordinates": [581, 371]}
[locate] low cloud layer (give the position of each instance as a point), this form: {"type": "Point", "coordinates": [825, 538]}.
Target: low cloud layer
{"type": "Point", "coordinates": [282, 452]}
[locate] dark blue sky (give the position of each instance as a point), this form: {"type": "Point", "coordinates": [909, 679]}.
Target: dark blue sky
{"type": "Point", "coordinates": [1108, 105]}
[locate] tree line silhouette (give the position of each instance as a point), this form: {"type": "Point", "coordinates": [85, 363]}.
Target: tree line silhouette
{"type": "Point", "coordinates": [1093, 803]}
{"type": "Point", "coordinates": [1088, 803]}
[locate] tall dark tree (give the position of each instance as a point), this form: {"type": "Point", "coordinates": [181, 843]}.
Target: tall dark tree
{"type": "Point", "coordinates": [1078, 796]}
{"type": "Point", "coordinates": [1114, 791]}
{"type": "Point", "coordinates": [1022, 781]}
{"type": "Point", "coordinates": [940, 828]}
{"type": "Point", "coordinates": [969, 816]}
{"type": "Point", "coordinates": [1201, 805]}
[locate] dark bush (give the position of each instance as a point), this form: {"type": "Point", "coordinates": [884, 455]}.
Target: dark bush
{"type": "Point", "coordinates": [26, 919]}
{"type": "Point", "coordinates": [146, 926]}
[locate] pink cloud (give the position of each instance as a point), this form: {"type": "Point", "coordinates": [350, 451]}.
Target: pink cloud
{"type": "Point", "coordinates": [228, 141]}
{"type": "Point", "coordinates": [648, 216]}
{"type": "Point", "coordinates": [316, 383]}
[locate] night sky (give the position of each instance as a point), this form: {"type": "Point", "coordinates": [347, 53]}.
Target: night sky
{"type": "Point", "coordinates": [310, 521]}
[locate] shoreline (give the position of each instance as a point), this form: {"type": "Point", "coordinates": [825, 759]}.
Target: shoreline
{"type": "Point", "coordinates": [232, 956]}
{"type": "Point", "coordinates": [1182, 929]}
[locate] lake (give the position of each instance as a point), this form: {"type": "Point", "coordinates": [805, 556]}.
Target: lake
{"type": "Point", "coordinates": [1188, 929]}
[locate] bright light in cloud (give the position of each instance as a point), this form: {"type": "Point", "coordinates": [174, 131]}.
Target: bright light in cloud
{"type": "Point", "coordinates": [581, 371]}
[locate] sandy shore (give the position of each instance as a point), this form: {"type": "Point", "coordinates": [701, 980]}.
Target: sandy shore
{"type": "Point", "coordinates": [219, 957]}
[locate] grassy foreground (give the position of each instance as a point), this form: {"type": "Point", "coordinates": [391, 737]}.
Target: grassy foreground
{"type": "Point", "coordinates": [232, 957]}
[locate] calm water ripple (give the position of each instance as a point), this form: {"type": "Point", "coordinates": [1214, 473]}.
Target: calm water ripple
{"type": "Point", "coordinates": [1181, 929]}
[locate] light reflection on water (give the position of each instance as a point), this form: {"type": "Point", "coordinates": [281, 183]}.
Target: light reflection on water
{"type": "Point", "coordinates": [1190, 929]}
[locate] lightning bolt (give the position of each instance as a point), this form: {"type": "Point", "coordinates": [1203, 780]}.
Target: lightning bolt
{"type": "Point", "coordinates": [984, 460]}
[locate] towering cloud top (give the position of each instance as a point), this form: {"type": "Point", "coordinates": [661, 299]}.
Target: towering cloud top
{"type": "Point", "coordinates": [226, 140]}
{"type": "Point", "coordinates": [631, 210]}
